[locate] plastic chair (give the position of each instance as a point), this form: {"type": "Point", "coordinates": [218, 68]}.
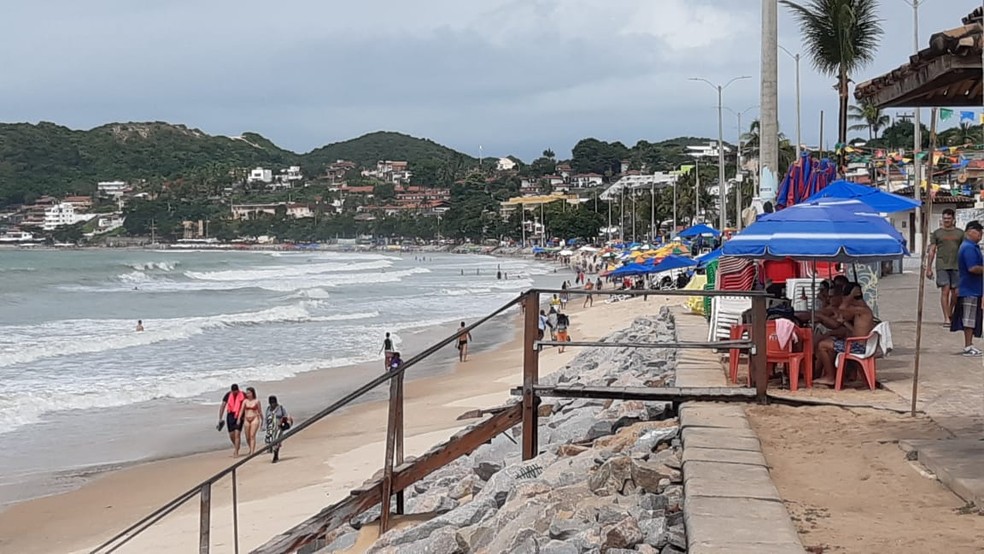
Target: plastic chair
{"type": "Point", "coordinates": [734, 354]}
{"type": "Point", "coordinates": [795, 361]}
{"type": "Point", "coordinates": [872, 350]}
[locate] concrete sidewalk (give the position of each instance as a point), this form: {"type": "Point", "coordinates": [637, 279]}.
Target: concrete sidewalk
{"type": "Point", "coordinates": [950, 389]}
{"type": "Point", "coordinates": [731, 505]}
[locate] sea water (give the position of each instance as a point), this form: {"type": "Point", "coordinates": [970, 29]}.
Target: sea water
{"type": "Point", "coordinates": [81, 388]}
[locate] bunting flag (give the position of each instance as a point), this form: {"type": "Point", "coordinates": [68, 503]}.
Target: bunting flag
{"type": "Point", "coordinates": [879, 153]}
{"type": "Point", "coordinates": [967, 116]}
{"type": "Point", "coordinates": [945, 113]}
{"type": "Point", "coordinates": [982, 119]}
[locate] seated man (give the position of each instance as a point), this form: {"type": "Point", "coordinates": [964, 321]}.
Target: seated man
{"type": "Point", "coordinates": [857, 321]}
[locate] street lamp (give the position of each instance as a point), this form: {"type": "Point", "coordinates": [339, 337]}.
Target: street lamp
{"type": "Point", "coordinates": [799, 138]}
{"type": "Point", "coordinates": [738, 163]}
{"type": "Point", "coordinates": [917, 130]}
{"type": "Point", "coordinates": [722, 189]}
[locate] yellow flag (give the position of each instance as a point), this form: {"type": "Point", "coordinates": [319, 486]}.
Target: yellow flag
{"type": "Point", "coordinates": [981, 118]}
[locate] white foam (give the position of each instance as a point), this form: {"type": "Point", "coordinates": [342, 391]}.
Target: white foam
{"type": "Point", "coordinates": [150, 266]}
{"type": "Point", "coordinates": [286, 271]}
{"type": "Point", "coordinates": [26, 343]}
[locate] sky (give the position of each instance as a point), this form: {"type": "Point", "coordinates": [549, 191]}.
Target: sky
{"type": "Point", "coordinates": [495, 77]}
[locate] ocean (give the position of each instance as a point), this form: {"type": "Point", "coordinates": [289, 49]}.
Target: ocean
{"type": "Point", "coordinates": [83, 391]}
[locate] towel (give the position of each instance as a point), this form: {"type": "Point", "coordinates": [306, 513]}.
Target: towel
{"type": "Point", "coordinates": [785, 330]}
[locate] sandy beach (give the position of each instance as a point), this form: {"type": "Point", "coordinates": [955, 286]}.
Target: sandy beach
{"type": "Point", "coordinates": [318, 467]}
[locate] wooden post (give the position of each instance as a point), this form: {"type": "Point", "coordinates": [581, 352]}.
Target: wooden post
{"type": "Point", "coordinates": [759, 371]}
{"type": "Point", "coordinates": [531, 365]}
{"type": "Point", "coordinates": [927, 214]}
{"type": "Point", "coordinates": [391, 425]}
{"type": "Point", "coordinates": [399, 438]}
{"type": "Point", "coordinates": [235, 514]}
{"type": "Point", "coordinates": [205, 519]}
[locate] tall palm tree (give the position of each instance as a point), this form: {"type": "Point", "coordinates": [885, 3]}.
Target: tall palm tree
{"type": "Point", "coordinates": [841, 37]}
{"type": "Point", "coordinates": [870, 117]}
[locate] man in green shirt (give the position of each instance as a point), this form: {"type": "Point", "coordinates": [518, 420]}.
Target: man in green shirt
{"type": "Point", "coordinates": [944, 243]}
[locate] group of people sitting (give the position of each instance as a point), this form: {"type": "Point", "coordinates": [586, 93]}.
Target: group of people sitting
{"type": "Point", "coordinates": [841, 312]}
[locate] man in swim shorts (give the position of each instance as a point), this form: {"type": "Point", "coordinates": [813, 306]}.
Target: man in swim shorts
{"type": "Point", "coordinates": [232, 404]}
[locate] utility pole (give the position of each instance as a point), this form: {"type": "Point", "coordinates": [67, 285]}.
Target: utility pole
{"type": "Point", "coordinates": [697, 191]}
{"type": "Point", "coordinates": [769, 101]}
{"type": "Point", "coordinates": [153, 231]}
{"type": "Point", "coordinates": [722, 185]}
{"type": "Point", "coordinates": [799, 125]}
{"type": "Point", "coordinates": [738, 202]}
{"type": "Point", "coordinates": [917, 130]}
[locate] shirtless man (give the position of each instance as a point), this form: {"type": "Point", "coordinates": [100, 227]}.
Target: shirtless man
{"type": "Point", "coordinates": [588, 299]}
{"type": "Point", "coordinates": [857, 321]}
{"type": "Point", "coordinates": [232, 404]}
{"type": "Point", "coordinates": [139, 325]}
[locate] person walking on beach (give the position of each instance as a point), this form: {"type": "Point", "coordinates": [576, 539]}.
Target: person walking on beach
{"type": "Point", "coordinates": [944, 244]}
{"type": "Point", "coordinates": [278, 421]}
{"type": "Point", "coordinates": [967, 316]}
{"type": "Point", "coordinates": [565, 297]}
{"type": "Point", "coordinates": [232, 403]}
{"type": "Point", "coordinates": [541, 325]}
{"type": "Point", "coordinates": [387, 349]}
{"type": "Point", "coordinates": [563, 322]}
{"type": "Point", "coordinates": [395, 362]}
{"type": "Point", "coordinates": [588, 299]}
{"type": "Point", "coordinates": [463, 337]}
{"type": "Point", "coordinates": [249, 417]}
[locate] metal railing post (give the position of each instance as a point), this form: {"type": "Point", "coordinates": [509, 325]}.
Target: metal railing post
{"type": "Point", "coordinates": [531, 368]}
{"type": "Point", "coordinates": [759, 339]}
{"type": "Point", "coordinates": [235, 514]}
{"type": "Point", "coordinates": [399, 438]}
{"type": "Point", "coordinates": [391, 425]}
{"type": "Point", "coordinates": [205, 518]}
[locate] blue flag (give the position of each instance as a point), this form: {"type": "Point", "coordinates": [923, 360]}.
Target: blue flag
{"type": "Point", "coordinates": [967, 116]}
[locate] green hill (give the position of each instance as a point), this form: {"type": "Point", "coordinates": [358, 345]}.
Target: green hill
{"type": "Point", "coordinates": [381, 145]}
{"type": "Point", "coordinates": [51, 159]}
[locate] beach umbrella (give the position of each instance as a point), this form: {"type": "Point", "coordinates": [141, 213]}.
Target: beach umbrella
{"type": "Point", "coordinates": [566, 253]}
{"type": "Point", "coordinates": [698, 230]}
{"type": "Point", "coordinates": [878, 200]}
{"type": "Point", "coordinates": [673, 262]}
{"type": "Point", "coordinates": [829, 230]}
{"type": "Point", "coordinates": [630, 270]}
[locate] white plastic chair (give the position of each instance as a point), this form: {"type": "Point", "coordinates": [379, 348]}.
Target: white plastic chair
{"type": "Point", "coordinates": [725, 312]}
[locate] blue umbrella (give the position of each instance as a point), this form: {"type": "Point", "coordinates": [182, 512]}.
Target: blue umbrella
{"type": "Point", "coordinates": [702, 261]}
{"type": "Point", "coordinates": [828, 230]}
{"type": "Point", "coordinates": [631, 270]}
{"type": "Point", "coordinates": [698, 230]}
{"type": "Point", "coordinates": [673, 262]}
{"type": "Point", "coordinates": [879, 200]}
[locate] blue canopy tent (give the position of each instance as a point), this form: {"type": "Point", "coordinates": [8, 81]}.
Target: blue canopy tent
{"type": "Point", "coordinates": [878, 200]}
{"type": "Point", "coordinates": [702, 261]}
{"type": "Point", "coordinates": [822, 230]}
{"type": "Point", "coordinates": [673, 262]}
{"type": "Point", "coordinates": [698, 230]}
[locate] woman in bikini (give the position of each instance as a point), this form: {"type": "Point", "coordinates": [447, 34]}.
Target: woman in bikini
{"type": "Point", "coordinates": [250, 417]}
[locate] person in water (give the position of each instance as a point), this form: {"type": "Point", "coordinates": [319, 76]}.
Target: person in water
{"type": "Point", "coordinates": [139, 325]}
{"type": "Point", "coordinates": [232, 404]}
{"type": "Point", "coordinates": [278, 421]}
{"type": "Point", "coordinates": [250, 417]}
{"type": "Point", "coordinates": [463, 337]}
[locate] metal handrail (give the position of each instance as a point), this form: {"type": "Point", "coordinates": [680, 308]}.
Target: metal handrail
{"type": "Point", "coordinates": [147, 521]}
{"type": "Point", "coordinates": [134, 530]}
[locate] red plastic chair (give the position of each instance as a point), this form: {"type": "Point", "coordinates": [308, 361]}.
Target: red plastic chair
{"type": "Point", "coordinates": [794, 361]}
{"type": "Point", "coordinates": [734, 354]}
{"type": "Point", "coordinates": [866, 360]}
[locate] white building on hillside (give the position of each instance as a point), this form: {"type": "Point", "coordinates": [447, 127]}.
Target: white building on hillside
{"type": "Point", "coordinates": [505, 164]}
{"type": "Point", "coordinates": [112, 189]}
{"type": "Point", "coordinates": [707, 151]}
{"type": "Point", "coordinates": [260, 175]}
{"type": "Point", "coordinates": [62, 214]}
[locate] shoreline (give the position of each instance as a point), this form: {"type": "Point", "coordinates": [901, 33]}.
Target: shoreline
{"type": "Point", "coordinates": [80, 518]}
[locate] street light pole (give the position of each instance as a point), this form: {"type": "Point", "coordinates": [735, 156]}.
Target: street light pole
{"type": "Point", "coordinates": [722, 186]}
{"type": "Point", "coordinates": [917, 131]}
{"type": "Point", "coordinates": [738, 202]}
{"type": "Point", "coordinates": [799, 126]}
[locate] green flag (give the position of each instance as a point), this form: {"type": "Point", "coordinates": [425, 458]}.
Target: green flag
{"type": "Point", "coordinates": [945, 113]}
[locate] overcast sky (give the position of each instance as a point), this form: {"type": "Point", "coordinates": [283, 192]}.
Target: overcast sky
{"type": "Point", "coordinates": [514, 76]}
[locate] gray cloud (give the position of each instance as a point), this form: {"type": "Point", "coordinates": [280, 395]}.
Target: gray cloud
{"type": "Point", "coordinates": [514, 76]}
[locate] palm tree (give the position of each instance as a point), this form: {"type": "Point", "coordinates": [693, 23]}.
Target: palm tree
{"type": "Point", "coordinates": [964, 134]}
{"type": "Point", "coordinates": [841, 37]}
{"type": "Point", "coordinates": [870, 117]}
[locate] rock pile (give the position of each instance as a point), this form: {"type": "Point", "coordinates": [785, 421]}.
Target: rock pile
{"type": "Point", "coordinates": [608, 477]}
